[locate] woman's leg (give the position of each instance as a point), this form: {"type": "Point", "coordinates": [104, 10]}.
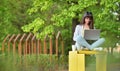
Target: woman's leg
{"type": "Point", "coordinates": [82, 42]}
{"type": "Point", "coordinates": [78, 46]}
{"type": "Point", "coordinates": [98, 43]}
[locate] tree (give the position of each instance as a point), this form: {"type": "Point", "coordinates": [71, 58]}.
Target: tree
{"type": "Point", "coordinates": [52, 16]}
{"type": "Point", "coordinates": [13, 16]}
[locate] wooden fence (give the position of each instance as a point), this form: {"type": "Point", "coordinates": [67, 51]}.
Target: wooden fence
{"type": "Point", "coordinates": [28, 44]}
{"type": "Point", "coordinates": [24, 44]}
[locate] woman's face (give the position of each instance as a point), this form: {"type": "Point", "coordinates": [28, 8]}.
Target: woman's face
{"type": "Point", "coordinates": [87, 20]}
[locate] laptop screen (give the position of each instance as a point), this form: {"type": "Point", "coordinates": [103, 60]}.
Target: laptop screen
{"type": "Point", "coordinates": [92, 34]}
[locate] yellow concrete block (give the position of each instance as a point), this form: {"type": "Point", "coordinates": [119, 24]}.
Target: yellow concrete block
{"type": "Point", "coordinates": [73, 61]}
{"type": "Point", "coordinates": [77, 60]}
{"type": "Point", "coordinates": [101, 62]}
{"type": "Point", "coordinates": [81, 62]}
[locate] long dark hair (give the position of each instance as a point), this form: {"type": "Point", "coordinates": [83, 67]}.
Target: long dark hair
{"type": "Point", "coordinates": [89, 15]}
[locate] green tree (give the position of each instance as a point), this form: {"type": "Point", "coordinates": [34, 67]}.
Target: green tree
{"type": "Point", "coordinates": [13, 16]}
{"type": "Point", "coordinates": [52, 16]}
{"type": "Point", "coordinates": [6, 26]}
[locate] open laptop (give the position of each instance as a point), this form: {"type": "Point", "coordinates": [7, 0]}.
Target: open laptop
{"type": "Point", "coordinates": [92, 34]}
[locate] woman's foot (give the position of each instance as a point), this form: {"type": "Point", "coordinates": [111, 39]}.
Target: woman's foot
{"type": "Point", "coordinates": [98, 49]}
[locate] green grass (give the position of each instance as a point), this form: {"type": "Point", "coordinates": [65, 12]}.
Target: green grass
{"type": "Point", "coordinates": [42, 62]}
{"type": "Point", "coordinates": [32, 63]}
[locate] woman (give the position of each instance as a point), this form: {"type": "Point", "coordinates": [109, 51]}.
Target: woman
{"type": "Point", "coordinates": [86, 24]}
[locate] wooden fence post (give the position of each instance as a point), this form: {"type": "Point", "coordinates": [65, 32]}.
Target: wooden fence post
{"type": "Point", "coordinates": [3, 43]}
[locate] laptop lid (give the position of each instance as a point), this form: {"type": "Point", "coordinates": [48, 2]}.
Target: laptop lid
{"type": "Point", "coordinates": [92, 34]}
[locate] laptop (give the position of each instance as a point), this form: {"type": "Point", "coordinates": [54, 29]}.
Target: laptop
{"type": "Point", "coordinates": [92, 34]}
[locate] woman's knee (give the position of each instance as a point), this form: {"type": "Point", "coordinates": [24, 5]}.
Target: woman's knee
{"type": "Point", "coordinates": [103, 39]}
{"type": "Point", "coordinates": [79, 39]}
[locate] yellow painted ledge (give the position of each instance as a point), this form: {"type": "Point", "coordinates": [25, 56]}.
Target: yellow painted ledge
{"type": "Point", "coordinates": [90, 52]}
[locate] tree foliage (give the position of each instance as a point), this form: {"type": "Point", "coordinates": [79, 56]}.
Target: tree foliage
{"type": "Point", "coordinates": [55, 15]}
{"type": "Point", "coordinates": [13, 16]}
{"type": "Point", "coordinates": [6, 26]}
{"type": "Point", "coordinates": [48, 16]}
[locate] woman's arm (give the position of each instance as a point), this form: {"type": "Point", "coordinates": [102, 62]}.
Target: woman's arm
{"type": "Point", "coordinates": [77, 32]}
